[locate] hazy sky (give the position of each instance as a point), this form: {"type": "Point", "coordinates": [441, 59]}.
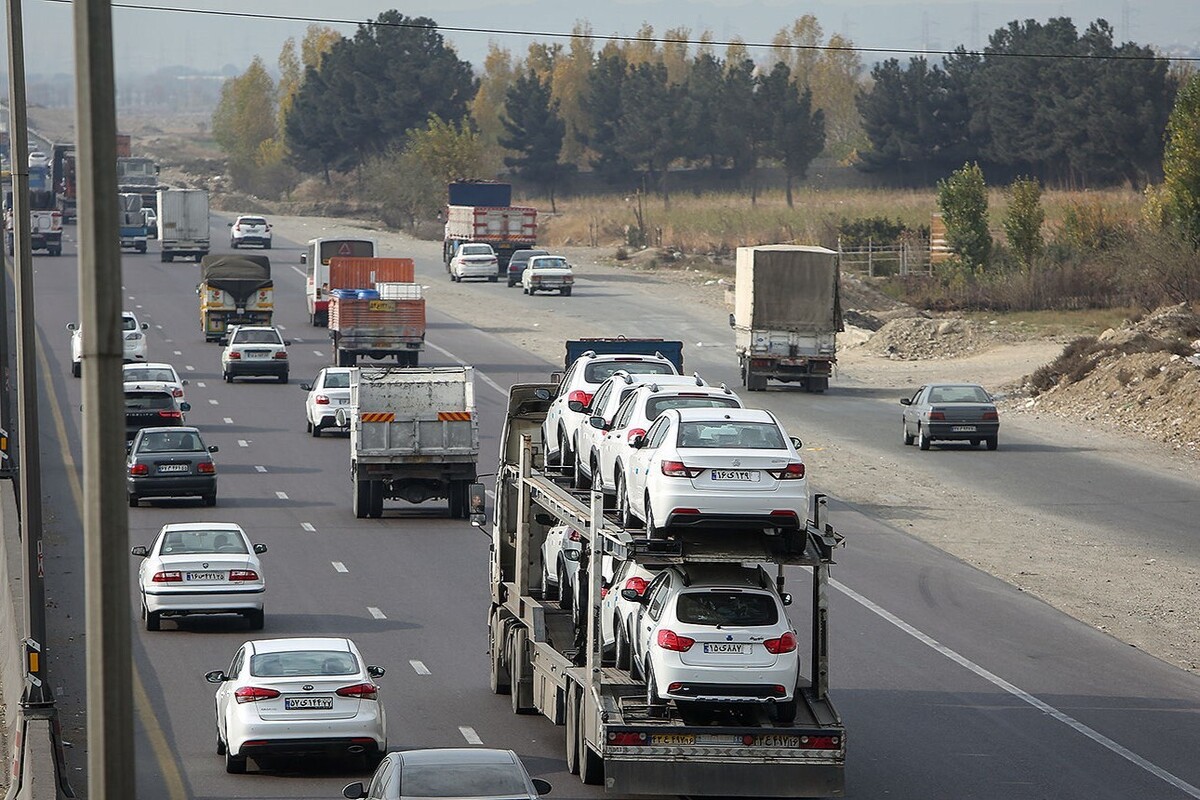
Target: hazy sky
{"type": "Point", "coordinates": [147, 40]}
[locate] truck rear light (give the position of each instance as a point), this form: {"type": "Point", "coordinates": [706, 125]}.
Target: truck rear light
{"type": "Point", "coordinates": [626, 738]}
{"type": "Point", "coordinates": [362, 691]}
{"type": "Point", "coordinates": [206, 468]}
{"type": "Point", "coordinates": [632, 434]}
{"type": "Point", "coordinates": [792, 472]}
{"type": "Point", "coordinates": [937, 415]}
{"type": "Point", "coordinates": [677, 469]}
{"type": "Point", "coordinates": [252, 694]}
{"type": "Point", "coordinates": [321, 400]}
{"type": "Point", "coordinates": [243, 575]}
{"type": "Point", "coordinates": [820, 742]}
{"type": "Point", "coordinates": [139, 469]}
{"type": "Point", "coordinates": [760, 362]}
{"type": "Point", "coordinates": [991, 416]}
{"type": "Point", "coordinates": [669, 640]}
{"type": "Point", "coordinates": [170, 576]}
{"type": "Point", "coordinates": [784, 644]}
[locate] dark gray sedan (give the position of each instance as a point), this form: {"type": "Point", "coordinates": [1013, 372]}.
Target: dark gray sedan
{"type": "Point", "coordinates": [466, 773]}
{"type": "Point", "coordinates": [170, 462]}
{"type": "Point", "coordinates": [951, 412]}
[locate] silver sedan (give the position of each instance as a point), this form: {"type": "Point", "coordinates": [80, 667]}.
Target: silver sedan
{"type": "Point", "coordinates": [950, 412]}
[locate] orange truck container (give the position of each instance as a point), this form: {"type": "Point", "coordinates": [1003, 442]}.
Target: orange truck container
{"type": "Point", "coordinates": [124, 145]}
{"type": "Point", "coordinates": [388, 324]}
{"type": "Point", "coordinates": [347, 272]}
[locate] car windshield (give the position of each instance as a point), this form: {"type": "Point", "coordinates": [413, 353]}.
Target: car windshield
{"type": "Point", "coordinates": [128, 324]}
{"type": "Point", "coordinates": [461, 780]}
{"type": "Point", "coordinates": [196, 542]}
{"type": "Point", "coordinates": [602, 371]}
{"type": "Point", "coordinates": [476, 250]}
{"type": "Point", "coordinates": [726, 608]}
{"type": "Point", "coordinates": [657, 405]}
{"type": "Point", "coordinates": [257, 337]}
{"type": "Point", "coordinates": [723, 433]}
{"type": "Point", "coordinates": [171, 442]}
{"type": "Point", "coordinates": [958, 394]}
{"type": "Point", "coordinates": [303, 662]}
{"type": "Point", "coordinates": [148, 401]}
{"type": "Point", "coordinates": [150, 374]}
{"type": "Point", "coordinates": [337, 380]}
{"type": "Point", "coordinates": [550, 263]}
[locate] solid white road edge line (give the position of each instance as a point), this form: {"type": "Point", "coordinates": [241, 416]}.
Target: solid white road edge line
{"type": "Point", "coordinates": [258, 468]}
{"type": "Point", "coordinates": [281, 495]}
{"type": "Point", "coordinates": [229, 420]}
{"type": "Point", "coordinates": [339, 566]}
{"type": "Point", "coordinates": [299, 271]}
{"type": "Point", "coordinates": [243, 443]}
{"type": "Point", "coordinates": [469, 734]}
{"type": "Point", "coordinates": [190, 368]}
{"type": "Point", "coordinates": [376, 613]}
{"type": "Point", "coordinates": [308, 526]}
{"type": "Point", "coordinates": [419, 667]}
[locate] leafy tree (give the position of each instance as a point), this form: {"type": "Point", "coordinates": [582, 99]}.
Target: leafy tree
{"type": "Point", "coordinates": [1023, 219]}
{"type": "Point", "coordinates": [244, 119]}
{"type": "Point", "coordinates": [317, 42]}
{"type": "Point", "coordinates": [799, 47]}
{"type": "Point", "coordinates": [1181, 163]}
{"type": "Point", "coordinates": [835, 80]}
{"type": "Point", "coordinates": [647, 129]}
{"type": "Point", "coordinates": [605, 88]}
{"type": "Point", "coordinates": [403, 186]}
{"type": "Point", "coordinates": [642, 50]}
{"type": "Point", "coordinates": [488, 105]}
{"type": "Point", "coordinates": [701, 109]}
{"type": "Point", "coordinates": [962, 199]}
{"type": "Point", "coordinates": [570, 89]}
{"type": "Point", "coordinates": [446, 150]}
{"type": "Point", "coordinates": [291, 73]}
{"type": "Point", "coordinates": [736, 125]}
{"type": "Point", "coordinates": [313, 130]}
{"type": "Point", "coordinates": [795, 134]}
{"type": "Point", "coordinates": [675, 55]}
{"type": "Point", "coordinates": [534, 130]}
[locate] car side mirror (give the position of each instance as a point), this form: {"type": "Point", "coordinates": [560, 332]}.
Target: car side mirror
{"type": "Point", "coordinates": [140, 550]}
{"type": "Point", "coordinates": [287, 342]}
{"type": "Point", "coordinates": [632, 596]}
{"type": "Point", "coordinates": [786, 598]}
{"type": "Point", "coordinates": [128, 444]}
{"type": "Point", "coordinates": [354, 791]}
{"type": "Point", "coordinates": [260, 549]}
{"type": "Point", "coordinates": [185, 406]}
{"type": "Point", "coordinates": [556, 378]}
{"type": "Point", "coordinates": [216, 676]}
{"type": "Point", "coordinates": [598, 423]}
{"type": "Point", "coordinates": [224, 341]}
{"type": "Point", "coordinates": [145, 326]}
{"type": "Point", "coordinates": [541, 786]}
{"type": "Point", "coordinates": [576, 405]}
{"type": "Point", "coordinates": [796, 443]}
{"type": "Point", "coordinates": [905, 401]}
{"type": "Point", "coordinates": [72, 326]}
{"type": "Point", "coordinates": [306, 387]}
{"type": "Point", "coordinates": [638, 442]}
{"type": "Point", "coordinates": [477, 504]}
{"type": "Point", "coordinates": [183, 382]}
{"type": "Point", "coordinates": [375, 672]}
{"type": "Point", "coordinates": [732, 321]}
{"type": "Point", "coordinates": [228, 224]}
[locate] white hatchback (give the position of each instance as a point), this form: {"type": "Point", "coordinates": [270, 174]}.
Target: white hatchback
{"type": "Point", "coordinates": [560, 564]}
{"type": "Point", "coordinates": [201, 568]}
{"type": "Point", "coordinates": [133, 341]}
{"type": "Point", "coordinates": [722, 468]}
{"type": "Point", "coordinates": [155, 376]}
{"type": "Point", "coordinates": [298, 697]}
{"type": "Point", "coordinates": [474, 260]}
{"type": "Point", "coordinates": [716, 633]}
{"type": "Point", "coordinates": [250, 229]}
{"type": "Point", "coordinates": [328, 392]}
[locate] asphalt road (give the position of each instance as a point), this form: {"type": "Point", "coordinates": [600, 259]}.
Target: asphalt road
{"type": "Point", "coordinates": [952, 684]}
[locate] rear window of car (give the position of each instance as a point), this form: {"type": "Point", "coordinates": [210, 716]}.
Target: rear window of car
{"type": "Point", "coordinates": [171, 442]}
{"type": "Point", "coordinates": [657, 405]}
{"type": "Point", "coordinates": [303, 662]}
{"type": "Point", "coordinates": [149, 374]}
{"type": "Point", "coordinates": [958, 394]}
{"type": "Point", "coordinates": [599, 372]}
{"type": "Point", "coordinates": [549, 263]}
{"type": "Point", "coordinates": [198, 542]}
{"type": "Point", "coordinates": [747, 435]}
{"type": "Point", "coordinates": [462, 780]}
{"type": "Point", "coordinates": [337, 380]}
{"type": "Point", "coordinates": [717, 607]}
{"type": "Point", "coordinates": [128, 324]}
{"type": "Point", "coordinates": [252, 221]}
{"type": "Point", "coordinates": [476, 250]}
{"type": "Point", "coordinates": [148, 401]}
{"type": "Point", "coordinates": [257, 337]}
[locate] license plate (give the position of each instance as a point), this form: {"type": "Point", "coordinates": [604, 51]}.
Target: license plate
{"type": "Point", "coordinates": [174, 467]}
{"type": "Point", "coordinates": [672, 738]}
{"type": "Point", "coordinates": [775, 740]}
{"type": "Point", "coordinates": [381, 305]}
{"type": "Point", "coordinates": [301, 703]}
{"type": "Point", "coordinates": [726, 647]}
{"type": "Point", "coordinates": [206, 576]}
{"type": "Point", "coordinates": [257, 354]}
{"type": "Point", "coordinates": [750, 475]}
{"type": "Point", "coordinates": [963, 429]}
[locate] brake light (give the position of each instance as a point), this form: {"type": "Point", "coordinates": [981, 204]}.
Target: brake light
{"type": "Point", "coordinates": [281, 354]}
{"type": "Point", "coordinates": [632, 434]}
{"type": "Point", "coordinates": [670, 640]}
{"type": "Point", "coordinates": [252, 694]}
{"type": "Point", "coordinates": [820, 742]}
{"type": "Point", "coordinates": [362, 691]}
{"type": "Point", "coordinates": [243, 575]}
{"type": "Point", "coordinates": [677, 469]}
{"type": "Point", "coordinates": [937, 415]}
{"type": "Point", "coordinates": [139, 469]}
{"type": "Point", "coordinates": [626, 738]}
{"type": "Point", "coordinates": [784, 644]}
{"type": "Point", "coordinates": [785, 512]}
{"type": "Point", "coordinates": [579, 395]}
{"type": "Point", "coordinates": [321, 400]}
{"type": "Point", "coordinates": [206, 468]}
{"type": "Point", "coordinates": [171, 414]}
{"type": "Point", "coordinates": [234, 355]}
{"type": "Point", "coordinates": [991, 415]}
{"type": "Point", "coordinates": [792, 472]}
{"type": "Point", "coordinates": [171, 576]}
{"type": "Point", "coordinates": [573, 536]}
{"type": "Point", "coordinates": [637, 584]}
{"type": "Point", "coordinates": [177, 392]}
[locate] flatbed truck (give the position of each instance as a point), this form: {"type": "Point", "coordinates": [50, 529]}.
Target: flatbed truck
{"type": "Point", "coordinates": [613, 737]}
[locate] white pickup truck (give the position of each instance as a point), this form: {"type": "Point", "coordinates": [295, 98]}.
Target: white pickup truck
{"type": "Point", "coordinates": [45, 223]}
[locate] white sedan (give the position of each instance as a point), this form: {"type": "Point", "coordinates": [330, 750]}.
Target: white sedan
{"type": "Point", "coordinates": [474, 260]}
{"type": "Point", "coordinates": [548, 273]}
{"type": "Point", "coordinates": [298, 697]}
{"type": "Point", "coordinates": [560, 564]}
{"type": "Point", "coordinates": [133, 341]}
{"type": "Point", "coordinates": [328, 392]}
{"type": "Point", "coordinates": [706, 467]}
{"type": "Point", "coordinates": [201, 568]}
{"type": "Point", "coordinates": [155, 376]}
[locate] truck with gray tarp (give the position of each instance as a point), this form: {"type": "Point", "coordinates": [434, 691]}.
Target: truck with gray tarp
{"type": "Point", "coordinates": [234, 290]}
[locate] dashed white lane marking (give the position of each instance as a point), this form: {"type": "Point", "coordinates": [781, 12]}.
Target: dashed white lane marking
{"type": "Point", "coordinates": [131, 297]}
{"type": "Point", "coordinates": [201, 384]}
{"type": "Point", "coordinates": [297, 339]}
{"type": "Point", "coordinates": [258, 468]}
{"type": "Point", "coordinates": [178, 352]}
{"type": "Point", "coordinates": [212, 401]}
{"type": "Point", "coordinates": [376, 613]}
{"type": "Point", "coordinates": [299, 271]}
{"type": "Point", "coordinates": [469, 734]}
{"type": "Point", "coordinates": [139, 305]}
{"type": "Point", "coordinates": [228, 420]}
{"type": "Point", "coordinates": [318, 353]}
{"type": "Point", "coordinates": [478, 374]}
{"type": "Point", "coordinates": [1018, 692]}
{"type": "Point", "coordinates": [158, 327]}
{"type": "Point", "coordinates": [308, 526]}
{"type": "Point", "coordinates": [419, 668]}
{"type": "Point", "coordinates": [281, 495]}
{"type": "Point", "coordinates": [243, 443]}
{"type": "Point", "coordinates": [190, 368]}
{"type": "Point", "coordinates": [339, 566]}
{"type": "Point", "coordinates": [280, 327]}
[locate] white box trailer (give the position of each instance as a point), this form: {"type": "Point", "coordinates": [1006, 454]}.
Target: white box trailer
{"type": "Point", "coordinates": [183, 223]}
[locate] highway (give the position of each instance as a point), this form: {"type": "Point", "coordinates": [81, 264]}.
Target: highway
{"type": "Point", "coordinates": [952, 684]}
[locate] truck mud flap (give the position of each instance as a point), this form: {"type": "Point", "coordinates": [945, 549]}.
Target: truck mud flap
{"type": "Point", "coordinates": [733, 778]}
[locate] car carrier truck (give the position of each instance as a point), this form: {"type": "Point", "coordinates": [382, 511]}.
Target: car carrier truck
{"type": "Point", "coordinates": [613, 736]}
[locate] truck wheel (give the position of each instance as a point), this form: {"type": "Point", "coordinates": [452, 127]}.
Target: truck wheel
{"type": "Point", "coordinates": [377, 490]}
{"type": "Point", "coordinates": [591, 765]}
{"type": "Point", "coordinates": [141, 247]}
{"type": "Point", "coordinates": [816, 385]}
{"type": "Point", "coordinates": [75, 368]}
{"type": "Point", "coordinates": [755, 383]}
{"type": "Point", "coordinates": [518, 667]}
{"type": "Point", "coordinates": [167, 258]}
{"type": "Point", "coordinates": [572, 728]}
{"type": "Point", "coordinates": [362, 499]}
{"type": "Point", "coordinates": [498, 677]}
{"type": "Point", "coordinates": [57, 251]}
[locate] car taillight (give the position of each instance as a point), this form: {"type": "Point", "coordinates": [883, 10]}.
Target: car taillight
{"type": "Point", "coordinates": [637, 584]}
{"type": "Point", "coordinates": [937, 415]}
{"type": "Point", "coordinates": [677, 469]}
{"type": "Point", "coordinates": [206, 468]}
{"type": "Point", "coordinates": [234, 355]}
{"type": "Point", "coordinates": [578, 394]}
{"type": "Point", "coordinates": [784, 644]}
{"type": "Point", "coordinates": [670, 640]}
{"type": "Point", "coordinates": [573, 535]}
{"type": "Point", "coordinates": [321, 400]}
{"type": "Point", "coordinates": [632, 434]}
{"type": "Point", "coordinates": [171, 576]}
{"type": "Point", "coordinates": [363, 691]}
{"type": "Point", "coordinates": [792, 472]}
{"type": "Point", "coordinates": [243, 575]}
{"type": "Point", "coordinates": [139, 469]}
{"type": "Point", "coordinates": [991, 415]}
{"type": "Point", "coordinates": [177, 392]}
{"type": "Point", "coordinates": [281, 354]}
{"type": "Point", "coordinates": [171, 414]}
{"type": "Point", "coordinates": [252, 694]}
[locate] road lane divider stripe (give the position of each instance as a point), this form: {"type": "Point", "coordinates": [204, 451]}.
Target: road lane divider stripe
{"type": "Point", "coordinates": [228, 420]}
{"type": "Point", "coordinates": [178, 352]}
{"type": "Point", "coordinates": [214, 401]}
{"type": "Point", "coordinates": [168, 765]}
{"type": "Point", "coordinates": [308, 526]}
{"type": "Point", "coordinates": [190, 368]}
{"type": "Point", "coordinates": [469, 734]}
{"type": "Point", "coordinates": [243, 443]}
{"type": "Point", "coordinates": [201, 384]}
{"type": "Point", "coordinates": [318, 353]}
{"type": "Point", "coordinates": [376, 613]}
{"type": "Point", "coordinates": [259, 468]}
{"type": "Point", "coordinates": [339, 566]}
{"type": "Point", "coordinates": [419, 668]}
{"type": "Point", "coordinates": [478, 374]}
{"type": "Point", "coordinates": [281, 495]}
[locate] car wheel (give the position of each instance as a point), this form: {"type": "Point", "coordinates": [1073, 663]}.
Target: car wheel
{"type": "Point", "coordinates": [133, 500]}
{"type": "Point", "coordinates": [210, 500]}
{"type": "Point", "coordinates": [652, 530]}
{"type": "Point", "coordinates": [565, 595]}
{"type": "Point", "coordinates": [566, 456]}
{"type": "Point", "coordinates": [228, 378]}
{"type": "Point", "coordinates": [993, 442]}
{"type": "Point", "coordinates": [233, 244]}
{"type": "Point", "coordinates": [549, 592]}
{"type": "Point", "coordinates": [76, 368]}
{"type": "Point", "coordinates": [315, 430]}
{"type": "Point", "coordinates": [784, 712]}
{"type": "Point", "coordinates": [524, 290]}
{"type": "Point", "coordinates": [511, 284]}
{"type": "Point", "coordinates": [652, 697]}
{"type": "Point", "coordinates": [266, 245]}
{"type": "Point", "coordinates": [908, 438]}
{"type": "Point", "coordinates": [220, 744]}
{"type": "Point", "coordinates": [922, 438]}
{"type": "Point", "coordinates": [565, 292]}
{"type": "Point", "coordinates": [625, 516]}
{"type": "Point", "coordinates": [580, 480]}
{"type": "Point", "coordinates": [255, 618]}
{"type": "Point", "coordinates": [153, 621]}
{"type": "Point", "coordinates": [234, 765]}
{"type": "Point", "coordinates": [493, 278]}
{"type": "Point", "coordinates": [622, 646]}
{"type": "Point", "coordinates": [283, 378]}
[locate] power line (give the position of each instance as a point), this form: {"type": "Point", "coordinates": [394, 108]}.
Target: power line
{"type": "Point", "coordinates": [616, 37]}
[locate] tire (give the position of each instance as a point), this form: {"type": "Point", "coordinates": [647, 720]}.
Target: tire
{"type": "Point", "coordinates": [923, 440]}
{"type": "Point", "coordinates": [524, 290]}
{"type": "Point", "coordinates": [908, 438]}
{"type": "Point", "coordinates": [518, 667]}
{"type": "Point", "coordinates": [210, 500]}
{"type": "Point", "coordinates": [315, 430]}
{"type": "Point", "coordinates": [622, 647]}
{"type": "Point", "coordinates": [220, 744]}
{"type": "Point", "coordinates": [652, 530]}
{"type": "Point", "coordinates": [579, 480]}
{"type": "Point", "coordinates": [228, 378]}
{"type": "Point", "coordinates": [653, 700]}
{"type": "Point", "coordinates": [993, 442]}
{"type": "Point", "coordinates": [76, 368]}
{"type": "Point", "coordinates": [153, 621]}
{"type": "Point", "coordinates": [362, 499]}
{"type": "Point", "coordinates": [548, 593]}
{"type": "Point", "coordinates": [167, 258]}
{"type": "Point", "coordinates": [565, 598]}
{"type": "Point", "coordinates": [498, 676]}
{"type": "Point", "coordinates": [235, 765]}
{"type": "Point", "coordinates": [572, 728]}
{"type": "Point", "coordinates": [493, 279]}
{"type": "Point", "coordinates": [283, 378]}
{"type": "Point", "coordinates": [565, 292]}
{"type": "Point", "coordinates": [134, 500]}
{"type": "Point", "coordinates": [266, 245]}
{"type": "Point", "coordinates": [566, 453]}
{"type": "Point", "coordinates": [625, 517]}
{"type": "Point", "coordinates": [511, 284]}
{"type": "Point", "coordinates": [785, 712]}
{"type": "Point", "coordinates": [591, 765]}
{"type": "Point", "coordinates": [755, 383]}
{"type": "Point", "coordinates": [57, 251]}
{"type": "Point", "coordinates": [255, 619]}
{"type": "Point", "coordinates": [454, 500]}
{"type": "Point", "coordinates": [233, 244]}
{"type": "Point", "coordinates": [377, 489]}
{"type": "Point", "coordinates": [141, 248]}
{"type": "Point", "coordinates": [975, 442]}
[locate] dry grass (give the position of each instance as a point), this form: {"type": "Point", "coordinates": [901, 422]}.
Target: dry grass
{"type": "Point", "coordinates": [1054, 324]}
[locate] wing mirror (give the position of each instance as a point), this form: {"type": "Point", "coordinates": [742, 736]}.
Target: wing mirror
{"type": "Point", "coordinates": [228, 224]}
{"type": "Point", "coordinates": [556, 378]}
{"type": "Point", "coordinates": [905, 401]}
{"type": "Point", "coordinates": [732, 321]}
{"type": "Point", "coordinates": [216, 676]}
{"type": "Point", "coordinates": [287, 342]}
{"type": "Point", "coordinates": [576, 405]}
{"type": "Point", "coordinates": [786, 598]}
{"type": "Point", "coordinates": [145, 326]}
{"type": "Point", "coordinates": [224, 341]}
{"type": "Point", "coordinates": [306, 387]}
{"type": "Point", "coordinates": [72, 326]}
{"type": "Point", "coordinates": [354, 791]}
{"type": "Point", "coordinates": [304, 258]}
{"type": "Point", "coordinates": [375, 672]}
{"type": "Point", "coordinates": [185, 406]}
{"type": "Point", "coordinates": [140, 550]}
{"type": "Point", "coordinates": [796, 443]}
{"type": "Point", "coordinates": [632, 596]}
{"type": "Point", "coordinates": [128, 443]}
{"type": "Point", "coordinates": [638, 442]}
{"type": "Point", "coordinates": [260, 549]}
{"type": "Point", "coordinates": [183, 382]}
{"type": "Point", "coordinates": [477, 504]}
{"type": "Point", "coordinates": [598, 423]}
{"type": "Point", "coordinates": [212, 448]}
{"type": "Point", "coordinates": [541, 786]}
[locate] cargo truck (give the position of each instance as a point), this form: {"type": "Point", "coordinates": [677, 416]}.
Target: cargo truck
{"type": "Point", "coordinates": [482, 211]}
{"type": "Point", "coordinates": [183, 223]}
{"type": "Point", "coordinates": [315, 259]}
{"type": "Point", "coordinates": [62, 179]}
{"type": "Point", "coordinates": [133, 233]}
{"type": "Point", "coordinates": [614, 736]}
{"type": "Point", "coordinates": [414, 436]}
{"type": "Point", "coordinates": [375, 310]}
{"type": "Point", "coordinates": [787, 314]}
{"type": "Point", "coordinates": [45, 223]}
{"type": "Point", "coordinates": [234, 290]}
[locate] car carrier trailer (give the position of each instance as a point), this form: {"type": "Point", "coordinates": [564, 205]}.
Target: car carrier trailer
{"type": "Point", "coordinates": [613, 736]}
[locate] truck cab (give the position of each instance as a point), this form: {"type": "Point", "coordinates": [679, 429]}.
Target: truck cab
{"type": "Point", "coordinates": [315, 260]}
